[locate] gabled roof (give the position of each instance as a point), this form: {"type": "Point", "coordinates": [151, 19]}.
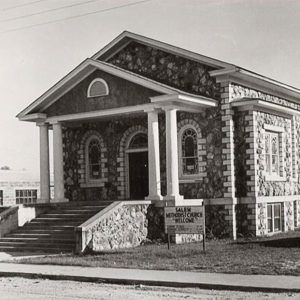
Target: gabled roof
{"type": "Point", "coordinates": [83, 70]}
{"type": "Point", "coordinates": [222, 68]}
{"type": "Point", "coordinates": [126, 37]}
{"type": "Point", "coordinates": [223, 72]}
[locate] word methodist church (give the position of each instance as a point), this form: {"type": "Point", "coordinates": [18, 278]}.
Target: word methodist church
{"type": "Point", "coordinates": [147, 121]}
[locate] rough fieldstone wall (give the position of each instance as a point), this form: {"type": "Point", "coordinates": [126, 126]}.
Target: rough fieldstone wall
{"type": "Point", "coordinates": [167, 68]}
{"type": "Point", "coordinates": [112, 185]}
{"type": "Point", "coordinates": [276, 188]}
{"type": "Point", "coordinates": [245, 219]}
{"type": "Point", "coordinates": [124, 227]}
{"type": "Point", "coordinates": [261, 219]}
{"type": "Point", "coordinates": [215, 221]}
{"type": "Point", "coordinates": [210, 186]}
{"type": "Point", "coordinates": [288, 216]}
{"type": "Point", "coordinates": [240, 135]}
{"type": "Point", "coordinates": [297, 213]}
{"type": "Point", "coordinates": [111, 132]}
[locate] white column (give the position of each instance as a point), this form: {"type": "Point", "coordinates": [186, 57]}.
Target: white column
{"type": "Point", "coordinates": [172, 156]}
{"type": "Point", "coordinates": [59, 194]}
{"type": "Point", "coordinates": [153, 157]}
{"type": "Point", "coordinates": [44, 164]}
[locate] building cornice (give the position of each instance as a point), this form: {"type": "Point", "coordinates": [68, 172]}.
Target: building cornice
{"type": "Point", "coordinates": [246, 103]}
{"type": "Point", "coordinates": [256, 81]}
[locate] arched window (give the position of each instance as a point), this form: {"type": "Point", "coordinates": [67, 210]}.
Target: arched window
{"type": "Point", "coordinates": [140, 140]}
{"type": "Point", "coordinates": [93, 158]}
{"type": "Point", "coordinates": [98, 87]}
{"type": "Point", "coordinates": [189, 152]}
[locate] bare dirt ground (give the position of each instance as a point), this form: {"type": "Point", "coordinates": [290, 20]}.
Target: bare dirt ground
{"type": "Point", "coordinates": [33, 289]}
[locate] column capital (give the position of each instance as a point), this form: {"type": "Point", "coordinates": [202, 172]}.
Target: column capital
{"type": "Point", "coordinates": [151, 110]}
{"type": "Point", "coordinates": [169, 108]}
{"type": "Point", "coordinates": [41, 124]}
{"type": "Point", "coordinates": [55, 122]}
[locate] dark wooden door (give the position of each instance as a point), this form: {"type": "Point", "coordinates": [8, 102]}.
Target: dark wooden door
{"type": "Point", "coordinates": [138, 175]}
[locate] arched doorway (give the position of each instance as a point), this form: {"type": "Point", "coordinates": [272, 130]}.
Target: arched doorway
{"type": "Point", "coordinates": [137, 166]}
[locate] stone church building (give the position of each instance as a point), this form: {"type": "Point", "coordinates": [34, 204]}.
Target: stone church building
{"type": "Point", "coordinates": [143, 119]}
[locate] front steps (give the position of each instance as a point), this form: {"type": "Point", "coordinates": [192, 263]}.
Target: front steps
{"type": "Point", "coordinates": [51, 232]}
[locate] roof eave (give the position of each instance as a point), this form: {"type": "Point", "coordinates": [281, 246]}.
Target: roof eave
{"type": "Point", "coordinates": [254, 80]}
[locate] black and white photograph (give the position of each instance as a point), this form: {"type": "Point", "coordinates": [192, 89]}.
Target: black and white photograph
{"type": "Point", "coordinates": [149, 149]}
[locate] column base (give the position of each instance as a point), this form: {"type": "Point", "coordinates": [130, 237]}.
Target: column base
{"type": "Point", "coordinates": [43, 200]}
{"type": "Point", "coordinates": [176, 199]}
{"type": "Point", "coordinates": [59, 200]}
{"type": "Point", "coordinates": [154, 198]}
{"type": "Point", "coordinates": [163, 203]}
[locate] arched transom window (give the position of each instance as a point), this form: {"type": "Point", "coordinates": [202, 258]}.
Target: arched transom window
{"type": "Point", "coordinates": [140, 140]}
{"type": "Point", "coordinates": [93, 158]}
{"type": "Point", "coordinates": [189, 152]}
{"type": "Point", "coordinates": [98, 87]}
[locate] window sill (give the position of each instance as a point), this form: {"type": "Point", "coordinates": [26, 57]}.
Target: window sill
{"type": "Point", "coordinates": [190, 178]}
{"type": "Point", "coordinates": [96, 183]}
{"type": "Point", "coordinates": [269, 177]}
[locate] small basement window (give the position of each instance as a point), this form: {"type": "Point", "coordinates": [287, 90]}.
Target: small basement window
{"type": "Point", "coordinates": [97, 88]}
{"type": "Point", "coordinates": [274, 217]}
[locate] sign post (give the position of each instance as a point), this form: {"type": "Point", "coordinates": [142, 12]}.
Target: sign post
{"type": "Point", "coordinates": [185, 220]}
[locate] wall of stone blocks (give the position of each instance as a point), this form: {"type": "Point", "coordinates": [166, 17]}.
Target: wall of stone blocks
{"type": "Point", "coordinates": [9, 190]}
{"type": "Point", "coordinates": [253, 122]}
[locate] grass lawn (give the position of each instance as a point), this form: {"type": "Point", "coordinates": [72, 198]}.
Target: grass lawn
{"type": "Point", "coordinates": [226, 256]}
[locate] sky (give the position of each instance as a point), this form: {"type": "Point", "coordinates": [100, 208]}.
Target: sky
{"type": "Point", "coordinates": [37, 48]}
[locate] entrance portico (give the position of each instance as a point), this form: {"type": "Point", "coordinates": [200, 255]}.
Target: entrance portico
{"type": "Point", "coordinates": [166, 104]}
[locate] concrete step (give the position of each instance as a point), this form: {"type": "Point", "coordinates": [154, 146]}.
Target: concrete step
{"type": "Point", "coordinates": [35, 249]}
{"type": "Point", "coordinates": [65, 215]}
{"type": "Point", "coordinates": [37, 239]}
{"type": "Point", "coordinates": [61, 235]}
{"type": "Point", "coordinates": [44, 226]}
{"type": "Point", "coordinates": [23, 230]}
{"type": "Point", "coordinates": [47, 245]}
{"type": "Point", "coordinates": [55, 220]}
{"type": "Point", "coordinates": [51, 232]}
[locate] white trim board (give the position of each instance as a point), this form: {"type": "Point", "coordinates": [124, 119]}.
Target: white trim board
{"type": "Point", "coordinates": [258, 103]}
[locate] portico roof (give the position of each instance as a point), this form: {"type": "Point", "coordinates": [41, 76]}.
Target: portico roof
{"type": "Point", "coordinates": [34, 112]}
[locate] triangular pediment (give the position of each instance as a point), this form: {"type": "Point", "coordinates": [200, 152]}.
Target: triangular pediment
{"type": "Point", "coordinates": [84, 70]}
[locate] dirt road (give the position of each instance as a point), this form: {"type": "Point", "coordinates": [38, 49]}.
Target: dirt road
{"type": "Point", "coordinates": [33, 289]}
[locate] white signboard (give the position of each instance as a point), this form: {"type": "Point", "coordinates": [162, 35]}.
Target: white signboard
{"type": "Point", "coordinates": [184, 219]}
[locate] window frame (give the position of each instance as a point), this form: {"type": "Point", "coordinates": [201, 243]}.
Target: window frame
{"type": "Point", "coordinates": [26, 199]}
{"type": "Point", "coordinates": [91, 85]}
{"type": "Point", "coordinates": [89, 179]}
{"type": "Point", "coordinates": [271, 154]}
{"type": "Point", "coordinates": [269, 175]}
{"type": "Point", "coordinates": [183, 175]}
